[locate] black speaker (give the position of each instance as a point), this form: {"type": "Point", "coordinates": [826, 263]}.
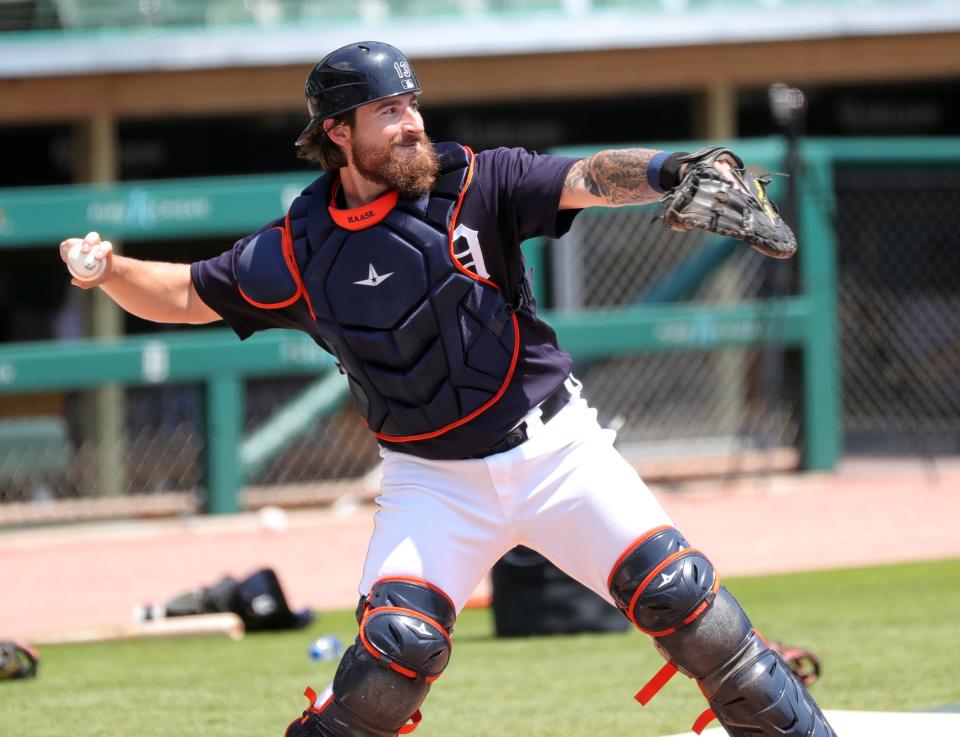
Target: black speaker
{"type": "Point", "coordinates": [531, 596]}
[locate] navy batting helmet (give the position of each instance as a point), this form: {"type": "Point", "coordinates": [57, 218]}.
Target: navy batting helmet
{"type": "Point", "coordinates": [354, 75]}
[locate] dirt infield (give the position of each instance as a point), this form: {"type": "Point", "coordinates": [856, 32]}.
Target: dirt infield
{"type": "Point", "coordinates": [86, 575]}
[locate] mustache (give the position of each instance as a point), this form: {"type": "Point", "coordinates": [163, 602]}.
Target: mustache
{"type": "Point", "coordinates": [409, 140]}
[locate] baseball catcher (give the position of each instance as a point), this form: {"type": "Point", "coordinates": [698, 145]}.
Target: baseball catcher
{"type": "Point", "coordinates": [403, 261]}
{"type": "Point", "coordinates": [733, 203]}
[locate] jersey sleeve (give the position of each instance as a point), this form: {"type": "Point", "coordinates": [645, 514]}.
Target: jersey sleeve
{"type": "Point", "coordinates": [528, 189]}
{"type": "Point", "coordinates": [215, 280]}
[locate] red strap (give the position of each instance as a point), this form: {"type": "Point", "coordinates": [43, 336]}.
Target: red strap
{"type": "Point", "coordinates": [310, 694]}
{"type": "Point", "coordinates": [703, 720]}
{"type": "Point", "coordinates": [654, 685]}
{"type": "Point", "coordinates": [414, 723]}
{"type": "Point", "coordinates": [663, 675]}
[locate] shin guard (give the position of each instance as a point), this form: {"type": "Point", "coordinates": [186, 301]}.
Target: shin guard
{"type": "Point", "coordinates": [671, 592]}
{"type": "Point", "coordinates": [383, 678]}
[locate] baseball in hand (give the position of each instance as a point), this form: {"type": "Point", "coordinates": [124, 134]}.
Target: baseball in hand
{"type": "Point", "coordinates": [85, 266]}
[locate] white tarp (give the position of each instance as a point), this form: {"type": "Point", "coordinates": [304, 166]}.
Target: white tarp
{"type": "Point", "coordinates": [878, 724]}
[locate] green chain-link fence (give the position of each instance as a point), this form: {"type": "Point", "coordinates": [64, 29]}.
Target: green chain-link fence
{"type": "Point", "coordinates": [672, 336]}
{"type": "Point", "coordinates": [676, 410]}
{"type": "Point", "coordinates": [898, 229]}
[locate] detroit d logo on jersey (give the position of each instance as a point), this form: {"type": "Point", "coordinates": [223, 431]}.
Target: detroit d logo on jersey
{"type": "Point", "coordinates": [466, 249]}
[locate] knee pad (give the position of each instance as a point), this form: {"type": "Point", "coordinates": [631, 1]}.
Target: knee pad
{"type": "Point", "coordinates": [406, 626]}
{"type": "Point", "coordinates": [661, 583]}
{"type": "Point", "coordinates": [383, 678]}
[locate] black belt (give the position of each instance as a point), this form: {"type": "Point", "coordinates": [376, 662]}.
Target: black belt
{"type": "Point", "coordinates": [549, 408]}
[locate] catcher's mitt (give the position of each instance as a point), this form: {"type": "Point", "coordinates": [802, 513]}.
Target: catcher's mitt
{"type": "Point", "coordinates": [706, 199]}
{"type": "Point", "coordinates": [17, 661]}
{"type": "Point", "coordinates": [802, 662]}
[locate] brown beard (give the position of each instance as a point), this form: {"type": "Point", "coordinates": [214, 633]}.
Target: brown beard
{"type": "Point", "coordinates": [411, 176]}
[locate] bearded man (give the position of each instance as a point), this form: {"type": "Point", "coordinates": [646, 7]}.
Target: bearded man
{"type": "Point", "coordinates": [403, 261]}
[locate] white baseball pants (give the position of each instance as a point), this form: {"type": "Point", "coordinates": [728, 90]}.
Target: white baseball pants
{"type": "Point", "coordinates": [565, 492]}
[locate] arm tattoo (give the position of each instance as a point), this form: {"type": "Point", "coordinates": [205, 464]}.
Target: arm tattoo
{"type": "Point", "coordinates": [617, 176]}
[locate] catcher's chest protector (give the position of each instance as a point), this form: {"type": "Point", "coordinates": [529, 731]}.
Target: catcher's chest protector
{"type": "Point", "coordinates": [426, 343]}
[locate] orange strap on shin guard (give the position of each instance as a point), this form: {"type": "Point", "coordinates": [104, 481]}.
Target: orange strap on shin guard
{"type": "Point", "coordinates": [654, 685]}
{"type": "Point", "coordinates": [313, 708]}
{"type": "Point", "coordinates": [702, 721]}
{"type": "Point", "coordinates": [412, 724]}
{"type": "Point", "coordinates": [312, 698]}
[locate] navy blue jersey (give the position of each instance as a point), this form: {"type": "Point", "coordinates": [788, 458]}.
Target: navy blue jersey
{"type": "Point", "coordinates": [514, 196]}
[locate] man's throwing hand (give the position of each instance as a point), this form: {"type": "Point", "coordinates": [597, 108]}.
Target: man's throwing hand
{"type": "Point", "coordinates": [89, 260]}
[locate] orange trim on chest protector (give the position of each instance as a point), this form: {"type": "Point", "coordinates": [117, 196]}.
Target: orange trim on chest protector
{"type": "Point", "coordinates": [291, 258]}
{"type": "Point", "coordinates": [365, 216]}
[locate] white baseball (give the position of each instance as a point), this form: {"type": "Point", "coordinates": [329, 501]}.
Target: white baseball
{"type": "Point", "coordinates": [84, 266]}
{"type": "Point", "coordinates": [273, 519]}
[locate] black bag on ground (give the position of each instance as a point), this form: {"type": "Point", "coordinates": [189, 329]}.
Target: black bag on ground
{"type": "Point", "coordinates": [531, 596]}
{"type": "Point", "coordinates": [257, 599]}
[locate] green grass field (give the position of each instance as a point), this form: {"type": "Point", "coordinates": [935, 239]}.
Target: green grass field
{"type": "Point", "coordinates": [887, 636]}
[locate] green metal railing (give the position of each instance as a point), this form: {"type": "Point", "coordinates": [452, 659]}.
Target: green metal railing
{"type": "Point", "coordinates": [221, 362]}
{"type": "Point", "coordinates": [175, 208]}
{"type": "Point", "coordinates": [41, 217]}
{"type": "Point", "coordinates": [214, 357]}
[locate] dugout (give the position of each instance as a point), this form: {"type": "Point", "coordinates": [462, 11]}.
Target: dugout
{"type": "Point", "coordinates": [149, 112]}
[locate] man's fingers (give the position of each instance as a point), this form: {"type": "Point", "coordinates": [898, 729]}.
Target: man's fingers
{"type": "Point", "coordinates": [90, 243]}
{"type": "Point", "coordinates": [727, 170]}
{"type": "Point", "coordinates": [101, 251]}
{"type": "Point", "coordinates": [65, 247]}
{"type": "Point", "coordinates": [90, 240]}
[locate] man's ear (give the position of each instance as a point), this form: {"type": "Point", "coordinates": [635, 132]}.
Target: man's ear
{"type": "Point", "coordinates": [339, 134]}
